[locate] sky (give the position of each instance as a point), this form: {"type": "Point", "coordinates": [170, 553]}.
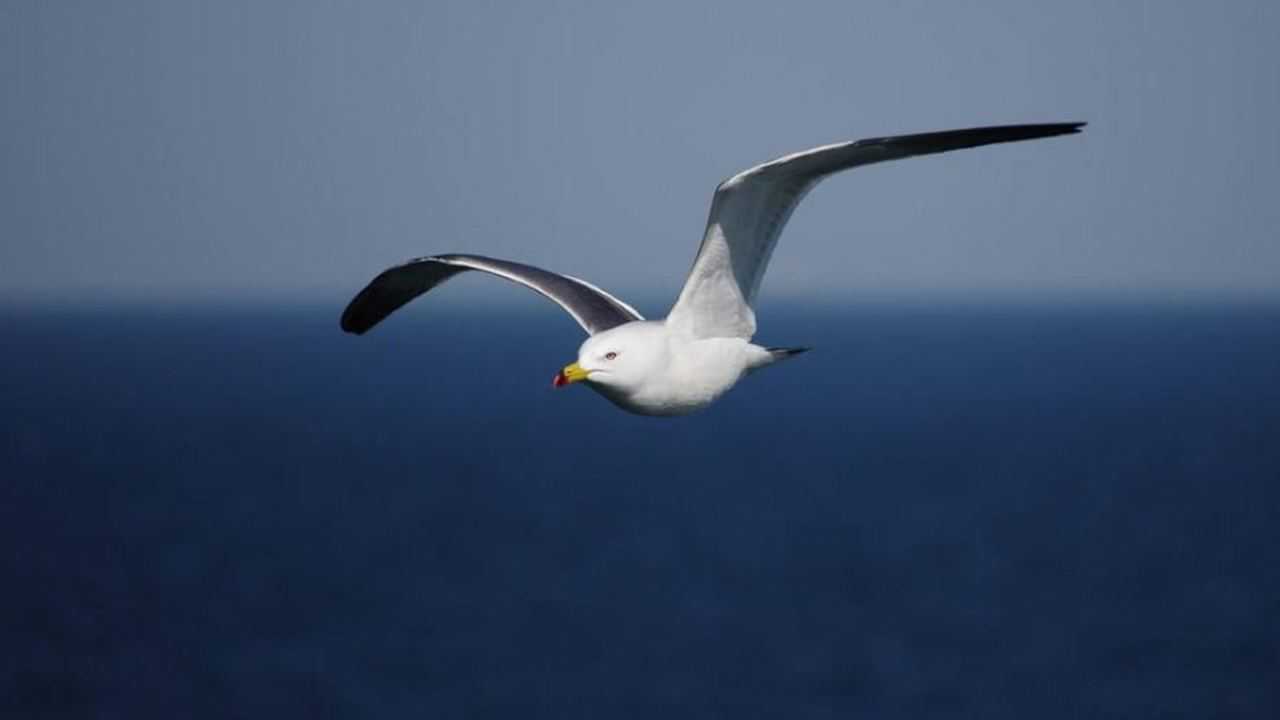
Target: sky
{"type": "Point", "coordinates": [174, 149]}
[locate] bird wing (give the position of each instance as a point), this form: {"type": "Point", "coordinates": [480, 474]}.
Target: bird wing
{"type": "Point", "coordinates": [750, 209]}
{"type": "Point", "coordinates": [593, 308]}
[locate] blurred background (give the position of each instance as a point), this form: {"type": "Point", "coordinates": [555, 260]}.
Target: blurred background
{"type": "Point", "coordinates": [1031, 467]}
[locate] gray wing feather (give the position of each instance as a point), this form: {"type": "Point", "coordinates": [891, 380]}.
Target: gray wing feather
{"type": "Point", "coordinates": [750, 209]}
{"type": "Point", "coordinates": [594, 309]}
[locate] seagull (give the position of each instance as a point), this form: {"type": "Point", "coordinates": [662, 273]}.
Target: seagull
{"type": "Point", "coordinates": [703, 347]}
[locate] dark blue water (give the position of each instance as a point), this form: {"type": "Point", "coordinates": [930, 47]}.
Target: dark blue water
{"type": "Point", "coordinates": [958, 512]}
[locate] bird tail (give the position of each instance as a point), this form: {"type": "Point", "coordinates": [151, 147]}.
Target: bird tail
{"type": "Point", "coordinates": [781, 353]}
{"type": "Point", "coordinates": [765, 357]}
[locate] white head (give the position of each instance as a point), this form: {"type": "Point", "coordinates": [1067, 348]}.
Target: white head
{"type": "Point", "coordinates": [619, 361]}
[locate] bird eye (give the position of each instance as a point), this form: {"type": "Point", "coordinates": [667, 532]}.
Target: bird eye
{"type": "Point", "coordinates": [610, 355]}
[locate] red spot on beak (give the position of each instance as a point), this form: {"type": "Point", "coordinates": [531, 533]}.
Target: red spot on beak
{"type": "Point", "coordinates": [559, 380]}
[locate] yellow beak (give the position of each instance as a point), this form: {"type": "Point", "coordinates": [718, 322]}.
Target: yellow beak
{"type": "Point", "coordinates": [571, 373]}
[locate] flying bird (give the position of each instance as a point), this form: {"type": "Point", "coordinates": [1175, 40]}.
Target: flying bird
{"type": "Point", "coordinates": [703, 347]}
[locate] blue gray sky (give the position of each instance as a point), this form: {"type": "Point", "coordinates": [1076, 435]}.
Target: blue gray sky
{"type": "Point", "coordinates": [182, 149]}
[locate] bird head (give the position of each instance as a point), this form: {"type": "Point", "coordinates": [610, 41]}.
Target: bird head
{"type": "Point", "coordinates": [618, 360]}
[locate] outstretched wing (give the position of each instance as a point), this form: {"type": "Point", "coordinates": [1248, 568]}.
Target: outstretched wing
{"type": "Point", "coordinates": [750, 209]}
{"type": "Point", "coordinates": [594, 309]}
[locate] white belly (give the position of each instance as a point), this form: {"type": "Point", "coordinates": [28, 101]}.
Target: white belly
{"type": "Point", "coordinates": [700, 372]}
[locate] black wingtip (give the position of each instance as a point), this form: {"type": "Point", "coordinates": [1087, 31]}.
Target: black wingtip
{"type": "Point", "coordinates": [947, 140]}
{"type": "Point", "coordinates": [351, 327]}
{"type": "Point", "coordinates": [1030, 132]}
{"type": "Point", "coordinates": [356, 318]}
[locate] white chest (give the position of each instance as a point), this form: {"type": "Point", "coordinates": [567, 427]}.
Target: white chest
{"type": "Point", "coordinates": [698, 372]}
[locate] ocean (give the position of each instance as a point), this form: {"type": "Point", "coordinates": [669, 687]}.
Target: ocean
{"type": "Point", "coordinates": [942, 511]}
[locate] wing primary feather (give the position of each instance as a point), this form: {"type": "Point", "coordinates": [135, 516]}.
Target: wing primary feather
{"type": "Point", "coordinates": [943, 141]}
{"type": "Point", "coordinates": [392, 289]}
{"type": "Point", "coordinates": [594, 309]}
